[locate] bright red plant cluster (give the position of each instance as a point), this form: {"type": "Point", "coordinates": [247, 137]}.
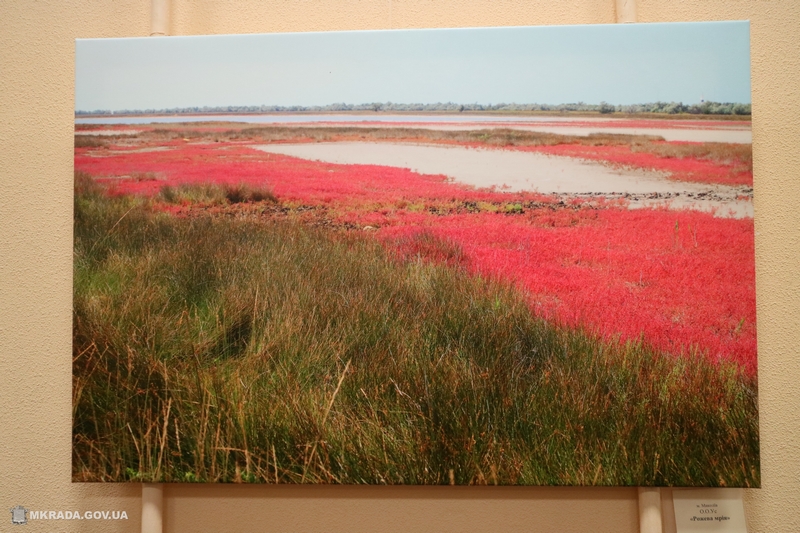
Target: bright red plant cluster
{"type": "Point", "coordinates": [146, 170]}
{"type": "Point", "coordinates": [679, 280]}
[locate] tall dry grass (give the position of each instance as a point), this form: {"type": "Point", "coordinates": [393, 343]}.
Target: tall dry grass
{"type": "Point", "coordinates": [217, 349]}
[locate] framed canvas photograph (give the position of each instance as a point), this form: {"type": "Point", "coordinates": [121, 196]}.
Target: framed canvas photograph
{"type": "Point", "coordinates": [484, 256]}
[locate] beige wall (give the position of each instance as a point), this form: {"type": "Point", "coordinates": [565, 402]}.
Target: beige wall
{"type": "Point", "coordinates": [36, 121]}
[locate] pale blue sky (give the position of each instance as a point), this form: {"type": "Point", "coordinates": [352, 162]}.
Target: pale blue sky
{"type": "Point", "coordinates": [619, 64]}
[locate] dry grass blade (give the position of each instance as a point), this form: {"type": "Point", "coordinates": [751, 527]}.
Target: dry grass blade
{"type": "Point", "coordinates": [325, 419]}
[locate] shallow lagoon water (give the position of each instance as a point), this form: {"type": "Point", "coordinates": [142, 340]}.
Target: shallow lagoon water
{"type": "Point", "coordinates": [514, 171]}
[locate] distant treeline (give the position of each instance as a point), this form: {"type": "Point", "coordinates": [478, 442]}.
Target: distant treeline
{"type": "Point", "coordinates": [703, 108]}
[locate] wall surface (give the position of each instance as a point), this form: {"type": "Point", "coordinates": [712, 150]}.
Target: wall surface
{"type": "Point", "coordinates": [36, 136]}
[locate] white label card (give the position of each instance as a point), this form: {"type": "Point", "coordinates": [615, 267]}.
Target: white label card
{"type": "Point", "coordinates": [709, 510]}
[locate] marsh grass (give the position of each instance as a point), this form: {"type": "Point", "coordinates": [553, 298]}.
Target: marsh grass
{"type": "Point", "coordinates": [89, 141]}
{"type": "Point", "coordinates": [217, 349]}
{"type": "Point", "coordinates": [241, 193]}
{"type": "Point", "coordinates": [725, 153]}
{"type": "Point", "coordinates": [213, 194]}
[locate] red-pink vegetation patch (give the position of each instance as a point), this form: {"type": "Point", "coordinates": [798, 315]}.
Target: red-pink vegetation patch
{"type": "Point", "coordinates": [289, 178]}
{"type": "Point", "coordinates": [679, 280]}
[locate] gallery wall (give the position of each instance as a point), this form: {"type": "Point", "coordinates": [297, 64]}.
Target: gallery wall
{"type": "Point", "coordinates": [36, 136]}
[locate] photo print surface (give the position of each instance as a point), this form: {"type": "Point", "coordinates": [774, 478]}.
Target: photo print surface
{"type": "Point", "coordinates": [497, 256]}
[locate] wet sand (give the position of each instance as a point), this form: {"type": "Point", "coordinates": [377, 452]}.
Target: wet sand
{"type": "Point", "coordinates": [512, 171]}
